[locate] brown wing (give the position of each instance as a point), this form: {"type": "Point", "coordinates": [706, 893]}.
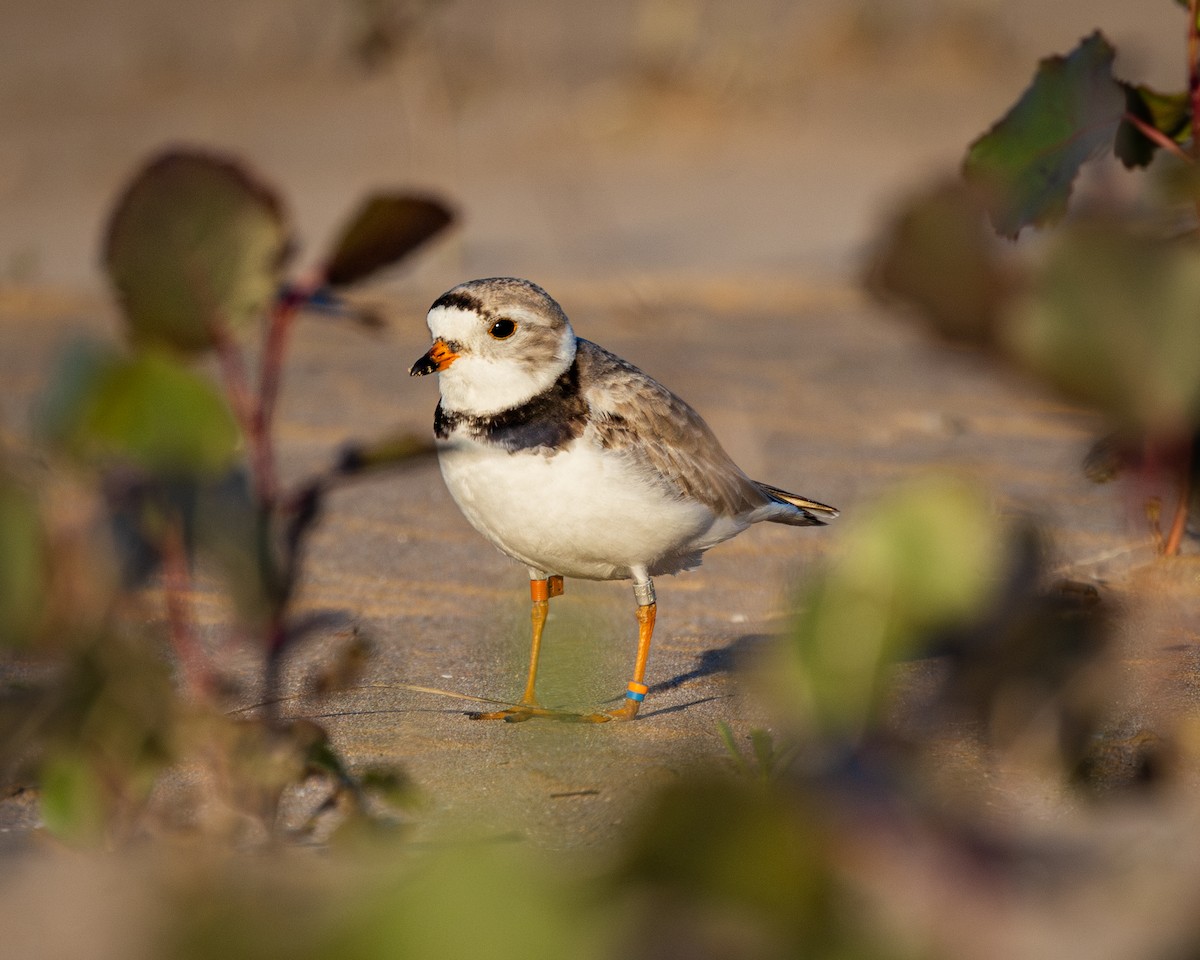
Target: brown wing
{"type": "Point", "coordinates": [637, 415]}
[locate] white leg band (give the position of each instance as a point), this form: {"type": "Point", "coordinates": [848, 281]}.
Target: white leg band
{"type": "Point", "coordinates": [644, 593]}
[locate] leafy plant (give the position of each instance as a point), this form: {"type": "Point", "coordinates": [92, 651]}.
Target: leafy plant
{"type": "Point", "coordinates": [24, 574]}
{"type": "Point", "coordinates": [1106, 313]}
{"type": "Point", "coordinates": [184, 468]}
{"type": "Point", "coordinates": [195, 248]}
{"type": "Point", "coordinates": [1076, 111]}
{"type": "Point", "coordinates": [766, 759]}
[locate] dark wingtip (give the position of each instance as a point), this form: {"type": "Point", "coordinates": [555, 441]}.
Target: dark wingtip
{"type": "Point", "coordinates": [806, 505]}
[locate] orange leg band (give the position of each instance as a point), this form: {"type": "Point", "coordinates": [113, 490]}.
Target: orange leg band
{"type": "Point", "coordinates": [545, 589]}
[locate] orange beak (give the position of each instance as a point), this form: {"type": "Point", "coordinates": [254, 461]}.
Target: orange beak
{"type": "Point", "coordinates": [436, 360]}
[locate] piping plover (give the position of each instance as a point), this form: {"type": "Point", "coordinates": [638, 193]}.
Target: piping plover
{"type": "Point", "coordinates": [577, 464]}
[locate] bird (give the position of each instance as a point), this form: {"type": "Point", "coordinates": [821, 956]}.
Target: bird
{"type": "Point", "coordinates": [576, 464]}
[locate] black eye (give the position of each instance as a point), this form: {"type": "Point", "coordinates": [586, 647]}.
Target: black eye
{"type": "Point", "coordinates": [502, 329]}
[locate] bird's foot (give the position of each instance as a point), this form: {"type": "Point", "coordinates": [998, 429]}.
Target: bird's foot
{"type": "Point", "coordinates": [517, 714]}
{"type": "Point", "coordinates": [530, 711]}
{"type": "Point", "coordinates": [525, 711]}
{"type": "Point", "coordinates": [626, 712]}
{"type": "Point", "coordinates": [635, 694]}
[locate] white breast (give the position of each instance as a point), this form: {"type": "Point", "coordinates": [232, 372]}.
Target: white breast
{"type": "Point", "coordinates": [580, 512]}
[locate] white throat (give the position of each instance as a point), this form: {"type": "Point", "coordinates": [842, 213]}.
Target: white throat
{"type": "Point", "coordinates": [475, 385]}
{"type": "Point", "coordinates": [480, 382]}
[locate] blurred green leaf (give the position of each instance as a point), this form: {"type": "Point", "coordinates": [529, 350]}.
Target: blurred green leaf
{"type": "Point", "coordinates": [939, 257]}
{"type": "Point", "coordinates": [330, 303]}
{"type": "Point", "coordinates": [74, 805]}
{"type": "Point", "coordinates": [115, 700]}
{"type": "Point", "coordinates": [1113, 320]}
{"type": "Point", "coordinates": [454, 901]}
{"type": "Point", "coordinates": [1022, 667]}
{"type": "Point", "coordinates": [147, 411]}
{"type": "Point", "coordinates": [104, 735]}
{"type": "Point", "coordinates": [222, 526]}
{"type": "Point", "coordinates": [765, 755]}
{"type": "Point", "coordinates": [229, 528]}
{"type": "Point", "coordinates": [391, 782]}
{"type": "Point", "coordinates": [769, 760]}
{"type": "Point", "coordinates": [1112, 455]}
{"type": "Point", "coordinates": [1176, 183]}
{"type": "Point", "coordinates": [383, 453]}
{"type": "Point", "coordinates": [1170, 114]}
{"type": "Point", "coordinates": [194, 241]}
{"type": "Point", "coordinates": [1028, 161]}
{"type": "Point", "coordinates": [313, 743]}
{"type": "Point", "coordinates": [391, 785]}
{"type": "Point", "coordinates": [341, 669]}
{"type": "Point", "coordinates": [24, 564]}
{"type": "Point", "coordinates": [264, 760]}
{"type": "Point", "coordinates": [384, 230]}
{"type": "Point", "coordinates": [924, 559]}
{"type": "Point", "coordinates": [728, 867]}
{"type": "Point", "coordinates": [244, 908]}
{"type": "Point", "coordinates": [755, 849]}
{"type": "Point", "coordinates": [725, 732]}
{"type": "Point", "coordinates": [506, 899]}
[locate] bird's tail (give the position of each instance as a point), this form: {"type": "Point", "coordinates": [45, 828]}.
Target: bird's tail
{"type": "Point", "coordinates": [812, 512]}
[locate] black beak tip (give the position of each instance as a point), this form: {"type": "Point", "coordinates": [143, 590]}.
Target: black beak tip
{"type": "Point", "coordinates": [421, 367]}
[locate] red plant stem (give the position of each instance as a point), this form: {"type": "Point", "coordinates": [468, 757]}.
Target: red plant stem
{"type": "Point", "coordinates": [1193, 54]}
{"type": "Point", "coordinates": [256, 414]}
{"type": "Point", "coordinates": [248, 414]}
{"type": "Point", "coordinates": [1193, 67]}
{"type": "Point", "coordinates": [278, 328]}
{"type": "Point", "coordinates": [1182, 509]}
{"type": "Point", "coordinates": [1153, 133]}
{"type": "Point", "coordinates": [176, 586]}
{"type": "Point", "coordinates": [233, 372]}
{"type": "Point", "coordinates": [277, 643]}
{"type": "Point", "coordinates": [270, 375]}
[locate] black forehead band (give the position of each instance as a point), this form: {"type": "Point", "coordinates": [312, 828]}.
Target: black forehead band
{"type": "Point", "coordinates": [461, 300]}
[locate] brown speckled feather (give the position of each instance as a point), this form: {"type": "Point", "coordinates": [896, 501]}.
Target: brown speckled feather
{"type": "Point", "coordinates": [633, 413]}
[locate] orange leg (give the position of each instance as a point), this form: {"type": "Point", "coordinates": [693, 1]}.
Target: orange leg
{"type": "Point", "coordinates": [540, 592]}
{"type": "Point", "coordinates": [637, 689]}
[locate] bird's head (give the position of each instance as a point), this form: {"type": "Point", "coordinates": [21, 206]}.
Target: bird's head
{"type": "Point", "coordinates": [496, 344]}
